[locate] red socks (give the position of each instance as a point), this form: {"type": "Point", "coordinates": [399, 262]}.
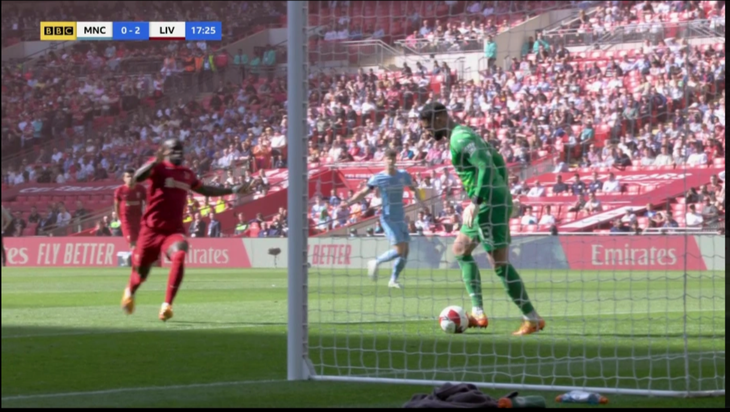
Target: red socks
{"type": "Point", "coordinates": [177, 270]}
{"type": "Point", "coordinates": [135, 281]}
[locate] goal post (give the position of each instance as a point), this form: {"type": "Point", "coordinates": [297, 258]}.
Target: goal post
{"type": "Point", "coordinates": [298, 187]}
{"type": "Point", "coordinates": [633, 315]}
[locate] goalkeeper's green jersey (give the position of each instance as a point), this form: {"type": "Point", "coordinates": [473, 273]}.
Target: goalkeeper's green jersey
{"type": "Point", "coordinates": [482, 170]}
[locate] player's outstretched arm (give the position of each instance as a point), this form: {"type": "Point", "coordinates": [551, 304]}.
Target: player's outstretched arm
{"type": "Point", "coordinates": [212, 191]}
{"type": "Point", "coordinates": [144, 172]}
{"type": "Point", "coordinates": [359, 196]}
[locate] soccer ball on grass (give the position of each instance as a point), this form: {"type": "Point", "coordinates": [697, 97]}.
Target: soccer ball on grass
{"type": "Point", "coordinates": [453, 319]}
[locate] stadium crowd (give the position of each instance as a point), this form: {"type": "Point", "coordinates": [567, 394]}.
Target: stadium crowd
{"type": "Point", "coordinates": [661, 105]}
{"type": "Point", "coordinates": [648, 19]}
{"type": "Point", "coordinates": [68, 92]}
{"type": "Point", "coordinates": [430, 26]}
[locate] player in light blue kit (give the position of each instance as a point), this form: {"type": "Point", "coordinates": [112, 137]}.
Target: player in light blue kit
{"type": "Point", "coordinates": [391, 184]}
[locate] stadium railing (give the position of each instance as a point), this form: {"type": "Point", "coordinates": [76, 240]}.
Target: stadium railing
{"type": "Point", "coordinates": [573, 20]}
{"type": "Point", "coordinates": [635, 33]}
{"type": "Point", "coordinates": [441, 46]}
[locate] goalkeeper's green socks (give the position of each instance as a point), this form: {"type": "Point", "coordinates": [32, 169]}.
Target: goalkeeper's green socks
{"type": "Point", "coordinates": [472, 280]}
{"type": "Point", "coordinates": [516, 290]}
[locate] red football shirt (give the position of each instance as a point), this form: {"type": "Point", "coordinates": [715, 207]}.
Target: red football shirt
{"type": "Point", "coordinates": [167, 196]}
{"type": "Point", "coordinates": [130, 203]}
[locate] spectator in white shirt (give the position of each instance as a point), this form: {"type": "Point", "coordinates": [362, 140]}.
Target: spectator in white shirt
{"type": "Point", "coordinates": [630, 217]}
{"type": "Point", "coordinates": [230, 178]}
{"type": "Point", "coordinates": [57, 156]}
{"type": "Point", "coordinates": [278, 142]}
{"type": "Point", "coordinates": [17, 179]}
{"type": "Point", "coordinates": [665, 158]}
{"type": "Point", "coordinates": [343, 34]}
{"type": "Point", "coordinates": [593, 205]}
{"type": "Point", "coordinates": [560, 167]}
{"type": "Point", "coordinates": [317, 208]}
{"type": "Point", "coordinates": [376, 200]}
{"type": "Point", "coordinates": [447, 183]}
{"type": "Point", "coordinates": [612, 185]}
{"type": "Point", "coordinates": [63, 218]}
{"type": "Point", "coordinates": [547, 218]}
{"type": "Point", "coordinates": [330, 35]}
{"type": "Point", "coordinates": [224, 162]}
{"type": "Point", "coordinates": [647, 158]}
{"type": "Point", "coordinates": [529, 218]}
{"type": "Point", "coordinates": [698, 156]}
{"type": "Point", "coordinates": [694, 219]}
{"type": "Point", "coordinates": [537, 191]}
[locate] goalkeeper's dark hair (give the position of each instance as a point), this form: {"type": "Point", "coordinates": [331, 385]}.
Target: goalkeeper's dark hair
{"type": "Point", "coordinates": [129, 171]}
{"type": "Point", "coordinates": [391, 154]}
{"type": "Point", "coordinates": [430, 111]}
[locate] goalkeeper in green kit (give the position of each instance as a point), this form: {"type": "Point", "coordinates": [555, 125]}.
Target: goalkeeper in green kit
{"type": "Point", "coordinates": [483, 173]}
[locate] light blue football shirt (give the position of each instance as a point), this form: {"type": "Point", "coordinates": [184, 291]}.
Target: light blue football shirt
{"type": "Point", "coordinates": [391, 190]}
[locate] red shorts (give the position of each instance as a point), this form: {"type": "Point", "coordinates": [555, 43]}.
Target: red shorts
{"type": "Point", "coordinates": [152, 244]}
{"type": "Point", "coordinates": [130, 233]}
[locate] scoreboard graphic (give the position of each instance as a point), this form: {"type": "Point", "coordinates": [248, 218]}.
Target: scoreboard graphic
{"type": "Point", "coordinates": [131, 30]}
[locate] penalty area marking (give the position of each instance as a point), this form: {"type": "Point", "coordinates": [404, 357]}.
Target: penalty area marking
{"type": "Point", "coordinates": [128, 390]}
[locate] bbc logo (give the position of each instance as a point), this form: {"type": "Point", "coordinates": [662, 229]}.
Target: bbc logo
{"type": "Point", "coordinates": [58, 31]}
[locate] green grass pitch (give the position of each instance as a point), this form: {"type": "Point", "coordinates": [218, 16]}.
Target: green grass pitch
{"type": "Point", "coordinates": [65, 342]}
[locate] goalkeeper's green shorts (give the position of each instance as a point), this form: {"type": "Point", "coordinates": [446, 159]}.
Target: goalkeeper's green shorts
{"type": "Point", "coordinates": [491, 228]}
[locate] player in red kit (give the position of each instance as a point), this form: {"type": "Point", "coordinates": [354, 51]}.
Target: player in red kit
{"type": "Point", "coordinates": [129, 200]}
{"type": "Point", "coordinates": [162, 228]}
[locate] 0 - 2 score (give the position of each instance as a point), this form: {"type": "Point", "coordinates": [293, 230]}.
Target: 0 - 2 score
{"type": "Point", "coordinates": [136, 30]}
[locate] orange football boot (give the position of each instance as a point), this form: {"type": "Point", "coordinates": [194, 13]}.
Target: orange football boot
{"type": "Point", "coordinates": [478, 321]}
{"type": "Point", "coordinates": [165, 312]}
{"type": "Point", "coordinates": [128, 302]}
{"type": "Point", "coordinates": [528, 328]}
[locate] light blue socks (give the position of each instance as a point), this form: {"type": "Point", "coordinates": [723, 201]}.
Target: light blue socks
{"type": "Point", "coordinates": [398, 267]}
{"type": "Point", "coordinates": [387, 256]}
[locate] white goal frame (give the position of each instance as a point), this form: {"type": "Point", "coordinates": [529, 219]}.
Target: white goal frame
{"type": "Point", "coordinates": [299, 366]}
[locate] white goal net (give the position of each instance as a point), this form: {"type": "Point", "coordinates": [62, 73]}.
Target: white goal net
{"type": "Point", "coordinates": [632, 285]}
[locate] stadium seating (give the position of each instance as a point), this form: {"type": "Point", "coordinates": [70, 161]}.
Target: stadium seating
{"type": "Point", "coordinates": [534, 73]}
